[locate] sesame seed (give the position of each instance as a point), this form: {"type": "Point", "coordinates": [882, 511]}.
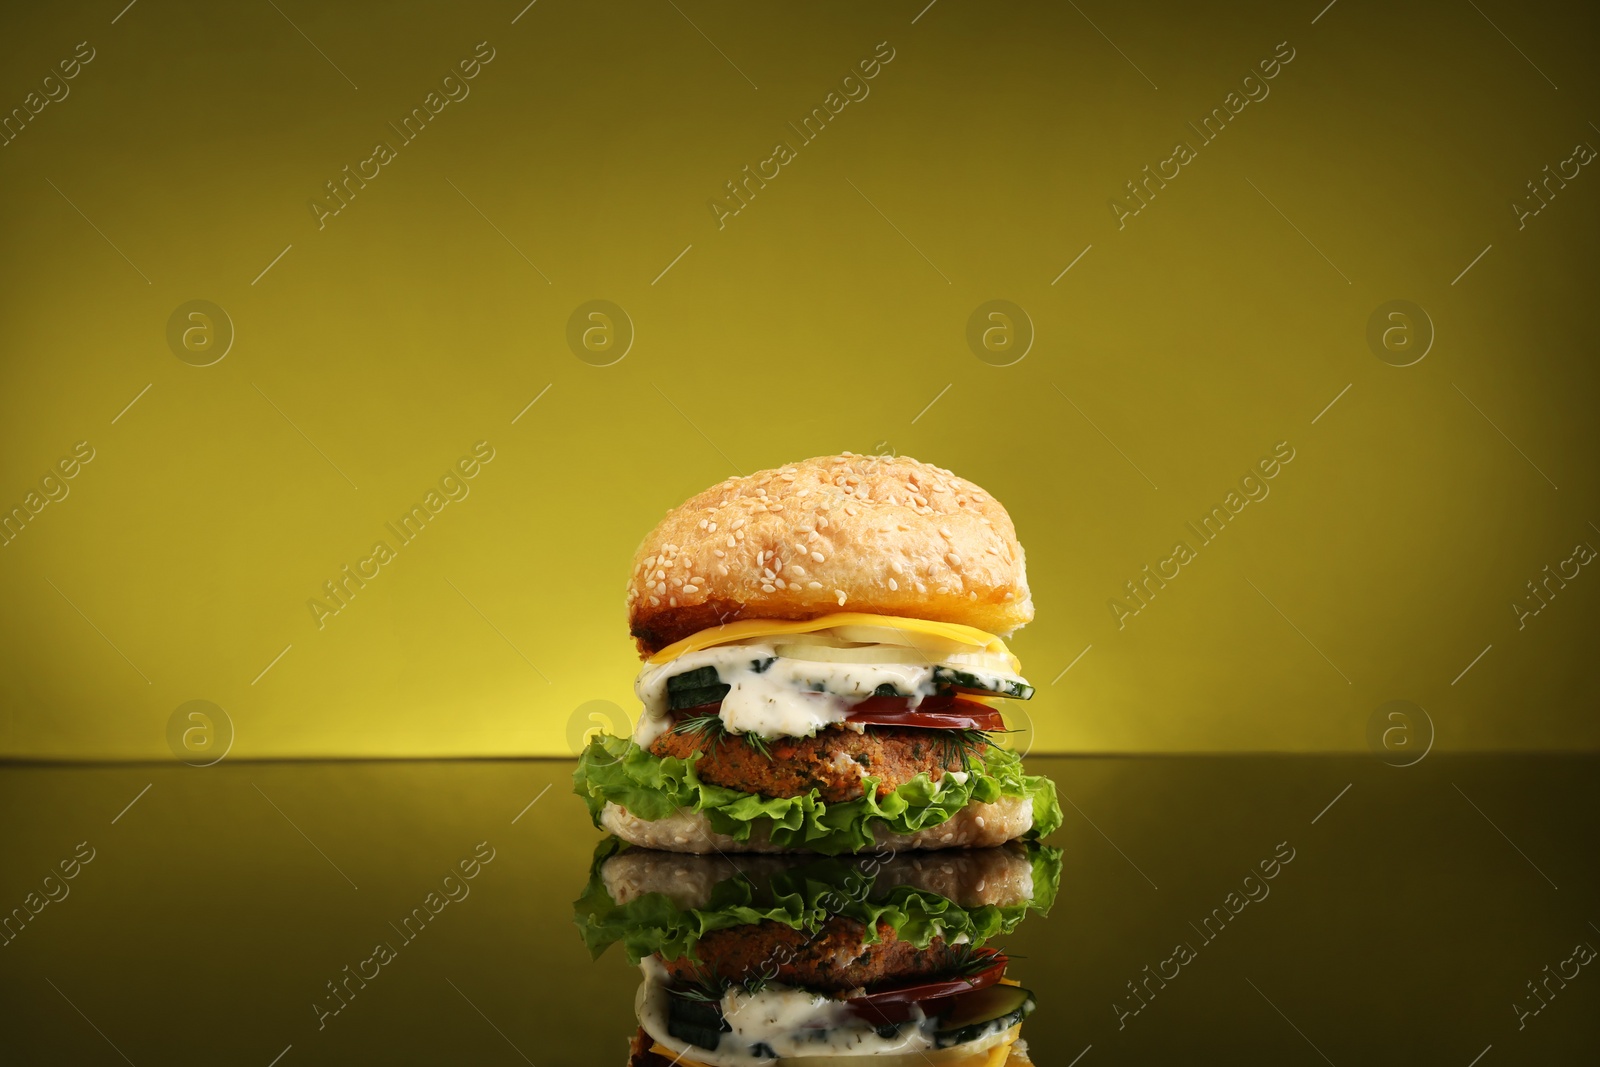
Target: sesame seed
{"type": "Point", "coordinates": [768, 588]}
{"type": "Point", "coordinates": [736, 524]}
{"type": "Point", "coordinates": [840, 594]}
{"type": "Point", "coordinates": [944, 532]}
{"type": "Point", "coordinates": [661, 587]}
{"type": "Point", "coordinates": [655, 601]}
{"type": "Point", "coordinates": [893, 585]}
{"type": "Point", "coordinates": [955, 559]}
{"type": "Point", "coordinates": [722, 569]}
{"type": "Point", "coordinates": [711, 527]}
{"type": "Point", "coordinates": [797, 570]}
{"type": "Point", "coordinates": [895, 566]}
{"type": "Point", "coordinates": [723, 555]}
{"type": "Point", "coordinates": [690, 589]}
{"type": "Point", "coordinates": [672, 602]}
{"type": "Point", "coordinates": [818, 557]}
{"type": "Point", "coordinates": [813, 585]}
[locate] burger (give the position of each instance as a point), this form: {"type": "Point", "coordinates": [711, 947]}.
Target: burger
{"type": "Point", "coordinates": [824, 664]}
{"type": "Point", "coordinates": [879, 957]}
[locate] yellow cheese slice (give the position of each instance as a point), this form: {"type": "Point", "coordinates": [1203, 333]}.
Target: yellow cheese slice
{"type": "Point", "coordinates": [747, 629]}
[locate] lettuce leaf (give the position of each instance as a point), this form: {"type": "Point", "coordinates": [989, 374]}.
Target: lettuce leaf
{"type": "Point", "coordinates": [802, 897]}
{"type": "Point", "coordinates": [653, 787]}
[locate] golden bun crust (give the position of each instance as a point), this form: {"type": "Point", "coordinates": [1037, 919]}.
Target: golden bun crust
{"type": "Point", "coordinates": [881, 534]}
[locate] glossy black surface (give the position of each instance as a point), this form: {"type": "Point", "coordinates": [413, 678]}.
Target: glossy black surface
{"type": "Point", "coordinates": [1417, 907]}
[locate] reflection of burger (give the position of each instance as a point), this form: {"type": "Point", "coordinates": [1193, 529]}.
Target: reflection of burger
{"type": "Point", "coordinates": [822, 670]}
{"type": "Point", "coordinates": [810, 961]}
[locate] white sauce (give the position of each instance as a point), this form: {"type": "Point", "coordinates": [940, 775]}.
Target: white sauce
{"type": "Point", "coordinates": [789, 698]}
{"type": "Point", "coordinates": [789, 1022]}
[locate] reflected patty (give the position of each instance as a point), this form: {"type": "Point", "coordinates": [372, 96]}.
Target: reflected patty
{"type": "Point", "coordinates": [831, 960]}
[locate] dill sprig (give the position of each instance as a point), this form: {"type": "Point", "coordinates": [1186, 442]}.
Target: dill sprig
{"type": "Point", "coordinates": [712, 731]}
{"type": "Point", "coordinates": [969, 962]}
{"type": "Point", "coordinates": [963, 746]}
{"type": "Point", "coordinates": [710, 988]}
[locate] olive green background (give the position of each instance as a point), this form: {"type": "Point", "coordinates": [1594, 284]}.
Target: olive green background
{"type": "Point", "coordinates": [829, 314]}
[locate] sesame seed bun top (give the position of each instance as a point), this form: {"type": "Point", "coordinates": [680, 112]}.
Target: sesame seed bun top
{"type": "Point", "coordinates": [880, 534]}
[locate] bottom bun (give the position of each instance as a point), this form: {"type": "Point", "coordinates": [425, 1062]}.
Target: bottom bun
{"type": "Point", "coordinates": [977, 825]}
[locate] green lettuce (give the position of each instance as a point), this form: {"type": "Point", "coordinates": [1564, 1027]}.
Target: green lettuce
{"type": "Point", "coordinates": [653, 787]}
{"type": "Point", "coordinates": [802, 897]}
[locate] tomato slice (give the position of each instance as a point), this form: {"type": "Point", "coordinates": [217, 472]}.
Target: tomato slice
{"type": "Point", "coordinates": [937, 702]}
{"type": "Point", "coordinates": [941, 712]}
{"type": "Point", "coordinates": [894, 1005]}
{"type": "Point", "coordinates": [978, 718]}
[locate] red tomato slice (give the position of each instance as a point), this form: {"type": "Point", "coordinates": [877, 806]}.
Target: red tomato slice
{"type": "Point", "coordinates": [894, 1005]}
{"type": "Point", "coordinates": [942, 712]}
{"type": "Point", "coordinates": [980, 718]}
{"type": "Point", "coordinates": [937, 702]}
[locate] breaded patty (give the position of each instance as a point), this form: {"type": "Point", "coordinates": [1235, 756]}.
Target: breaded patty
{"type": "Point", "coordinates": [833, 762]}
{"type": "Point", "coordinates": [832, 960]}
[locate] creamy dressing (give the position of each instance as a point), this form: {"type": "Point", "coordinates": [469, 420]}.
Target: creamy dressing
{"type": "Point", "coordinates": [782, 1022]}
{"type": "Point", "coordinates": [778, 696]}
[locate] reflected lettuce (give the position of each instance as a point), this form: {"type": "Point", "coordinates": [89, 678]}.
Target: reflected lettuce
{"type": "Point", "coordinates": [803, 896]}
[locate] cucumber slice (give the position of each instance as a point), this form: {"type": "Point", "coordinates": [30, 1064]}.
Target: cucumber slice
{"type": "Point", "coordinates": [679, 699]}
{"type": "Point", "coordinates": [695, 679]}
{"type": "Point", "coordinates": [699, 1036]}
{"type": "Point", "coordinates": [1001, 685]}
{"type": "Point", "coordinates": [980, 1013]}
{"type": "Point", "coordinates": [698, 1022]}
